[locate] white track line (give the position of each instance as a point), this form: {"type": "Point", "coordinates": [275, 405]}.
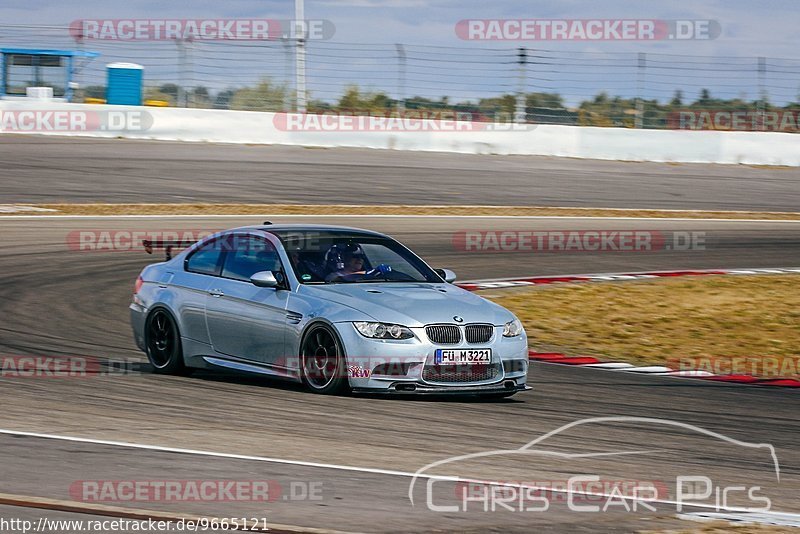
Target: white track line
{"type": "Point", "coordinates": [397, 216]}
{"type": "Point", "coordinates": [371, 470]}
{"type": "Point", "coordinates": [207, 453]}
{"type": "Point", "coordinates": [436, 206]}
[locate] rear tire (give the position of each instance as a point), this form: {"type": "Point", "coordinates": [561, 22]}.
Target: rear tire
{"type": "Point", "coordinates": [163, 344]}
{"type": "Point", "coordinates": [322, 361]}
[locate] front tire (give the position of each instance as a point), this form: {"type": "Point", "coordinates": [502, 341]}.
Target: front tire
{"type": "Point", "coordinates": [322, 361]}
{"type": "Point", "coordinates": [163, 344]}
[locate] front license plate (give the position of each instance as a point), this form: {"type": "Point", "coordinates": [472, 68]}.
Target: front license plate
{"type": "Point", "coordinates": [462, 356]}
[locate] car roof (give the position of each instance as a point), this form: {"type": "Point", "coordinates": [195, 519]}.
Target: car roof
{"type": "Point", "coordinates": [273, 228]}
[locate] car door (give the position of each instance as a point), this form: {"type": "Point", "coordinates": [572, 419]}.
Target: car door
{"type": "Point", "coordinates": [246, 321]}
{"type": "Point", "coordinates": [200, 269]}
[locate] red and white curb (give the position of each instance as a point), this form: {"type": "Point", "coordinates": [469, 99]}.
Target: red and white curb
{"type": "Point", "coordinates": [475, 285]}
{"type": "Point", "coordinates": [657, 370]}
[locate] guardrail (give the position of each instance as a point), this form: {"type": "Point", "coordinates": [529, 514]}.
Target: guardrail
{"type": "Point", "coordinates": [444, 134]}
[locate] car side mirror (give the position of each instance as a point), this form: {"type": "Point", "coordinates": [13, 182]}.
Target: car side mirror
{"type": "Point", "coordinates": [264, 279]}
{"type": "Point", "coordinates": [448, 275]}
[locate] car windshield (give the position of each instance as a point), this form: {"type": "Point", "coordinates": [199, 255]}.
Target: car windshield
{"type": "Point", "coordinates": [341, 257]}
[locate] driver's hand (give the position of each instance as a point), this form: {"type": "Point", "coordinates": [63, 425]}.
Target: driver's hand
{"type": "Point", "coordinates": [380, 269]}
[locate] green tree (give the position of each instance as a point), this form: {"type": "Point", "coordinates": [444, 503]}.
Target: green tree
{"type": "Point", "coordinates": [544, 100]}
{"type": "Point", "coordinates": [266, 96]}
{"type": "Point", "coordinates": [354, 100]}
{"type": "Point", "coordinates": [497, 106]}
{"type": "Point", "coordinates": [200, 97]}
{"type": "Point", "coordinates": [155, 93]}
{"type": "Point", "coordinates": [170, 89]}
{"type": "Point", "coordinates": [223, 99]}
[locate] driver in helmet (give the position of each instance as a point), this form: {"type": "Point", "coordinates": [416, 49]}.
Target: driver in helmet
{"type": "Point", "coordinates": [347, 263]}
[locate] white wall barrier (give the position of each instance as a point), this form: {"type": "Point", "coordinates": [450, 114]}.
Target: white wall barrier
{"type": "Point", "coordinates": [219, 126]}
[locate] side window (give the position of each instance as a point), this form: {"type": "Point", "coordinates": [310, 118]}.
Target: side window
{"type": "Point", "coordinates": [206, 260]}
{"type": "Point", "coordinates": [249, 255]}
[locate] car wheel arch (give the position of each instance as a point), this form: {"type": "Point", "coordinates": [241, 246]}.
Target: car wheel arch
{"type": "Point", "coordinates": [332, 327]}
{"type": "Point", "coordinates": [179, 368]}
{"type": "Point", "coordinates": [174, 316]}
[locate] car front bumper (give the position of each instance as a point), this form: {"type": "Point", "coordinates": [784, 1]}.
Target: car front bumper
{"type": "Point", "coordinates": [425, 389]}
{"type": "Point", "coordinates": [407, 366]}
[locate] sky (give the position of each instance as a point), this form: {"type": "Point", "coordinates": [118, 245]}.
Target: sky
{"type": "Point", "coordinates": [363, 51]}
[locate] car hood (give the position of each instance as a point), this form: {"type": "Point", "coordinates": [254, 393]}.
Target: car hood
{"type": "Point", "coordinates": [412, 304]}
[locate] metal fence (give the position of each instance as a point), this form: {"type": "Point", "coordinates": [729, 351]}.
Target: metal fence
{"type": "Point", "coordinates": [632, 89]}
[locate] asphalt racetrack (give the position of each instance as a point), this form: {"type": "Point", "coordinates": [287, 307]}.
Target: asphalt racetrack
{"type": "Point", "coordinates": [52, 169]}
{"type": "Point", "coordinates": [57, 300]}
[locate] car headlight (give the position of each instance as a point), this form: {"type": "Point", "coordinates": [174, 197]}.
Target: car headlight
{"type": "Point", "coordinates": [383, 330]}
{"type": "Point", "coordinates": [513, 328]}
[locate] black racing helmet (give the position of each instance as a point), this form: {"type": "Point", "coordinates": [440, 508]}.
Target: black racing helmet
{"type": "Point", "coordinates": [338, 253]}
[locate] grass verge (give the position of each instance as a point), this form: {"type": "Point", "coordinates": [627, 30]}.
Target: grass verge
{"type": "Point", "coordinates": [313, 209]}
{"type": "Point", "coordinates": [648, 322]}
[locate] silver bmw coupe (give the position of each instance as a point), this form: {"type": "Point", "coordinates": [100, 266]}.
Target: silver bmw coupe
{"type": "Point", "coordinates": [332, 307]}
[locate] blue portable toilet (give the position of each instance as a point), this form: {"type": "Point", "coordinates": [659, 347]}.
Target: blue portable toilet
{"type": "Point", "coordinates": [124, 85]}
